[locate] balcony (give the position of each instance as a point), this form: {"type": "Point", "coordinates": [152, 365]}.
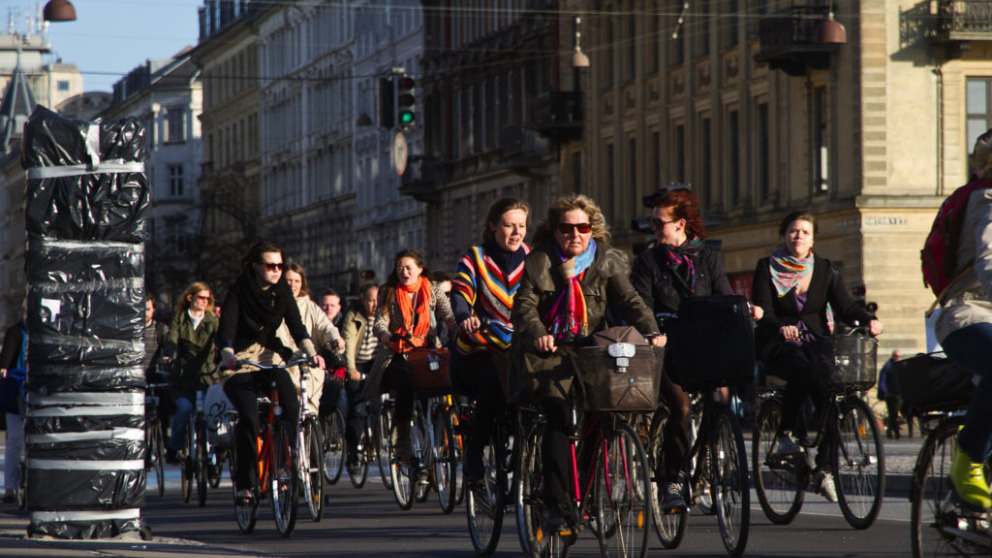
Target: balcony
{"type": "Point", "coordinates": [558, 115]}
{"type": "Point", "coordinates": [964, 20]}
{"type": "Point", "coordinates": [420, 180]}
{"type": "Point", "coordinates": [523, 149]}
{"type": "Point", "coordinates": [788, 40]}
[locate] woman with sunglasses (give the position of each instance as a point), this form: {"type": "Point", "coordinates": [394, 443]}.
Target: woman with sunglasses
{"type": "Point", "coordinates": [570, 278]}
{"type": "Point", "coordinates": [188, 348]}
{"type": "Point", "coordinates": [257, 302]}
{"type": "Point", "coordinates": [680, 266]}
{"type": "Point", "coordinates": [409, 310]}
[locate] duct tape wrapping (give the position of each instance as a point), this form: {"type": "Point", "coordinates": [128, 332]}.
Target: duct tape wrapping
{"type": "Point", "coordinates": [53, 378]}
{"type": "Point", "coordinates": [84, 525]}
{"type": "Point", "coordinates": [66, 262]}
{"type": "Point", "coordinates": [98, 191]}
{"type": "Point", "coordinates": [59, 349]}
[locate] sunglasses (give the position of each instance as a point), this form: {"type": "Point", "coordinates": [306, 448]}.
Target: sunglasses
{"type": "Point", "coordinates": [201, 297]}
{"type": "Point", "coordinates": [274, 266]}
{"type": "Point", "coordinates": [658, 223]}
{"type": "Point", "coordinates": [583, 228]}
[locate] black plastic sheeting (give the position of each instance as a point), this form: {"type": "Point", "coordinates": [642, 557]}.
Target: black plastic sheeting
{"type": "Point", "coordinates": [85, 320]}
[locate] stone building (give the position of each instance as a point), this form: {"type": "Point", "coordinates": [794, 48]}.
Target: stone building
{"type": "Point", "coordinates": [863, 115]}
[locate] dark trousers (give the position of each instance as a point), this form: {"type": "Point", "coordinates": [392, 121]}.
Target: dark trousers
{"type": "Point", "coordinates": [397, 380]}
{"type": "Point", "coordinates": [355, 417]}
{"type": "Point", "coordinates": [793, 365]}
{"type": "Point", "coordinates": [557, 456]}
{"type": "Point", "coordinates": [475, 375]}
{"type": "Point", "coordinates": [242, 390]}
{"type": "Point", "coordinates": [893, 403]}
{"type": "Point", "coordinates": [674, 442]}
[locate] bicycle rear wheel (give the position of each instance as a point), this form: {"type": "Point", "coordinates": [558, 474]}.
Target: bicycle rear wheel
{"type": "Point", "coordinates": [334, 450]}
{"type": "Point", "coordinates": [484, 509]}
{"type": "Point", "coordinates": [701, 491]}
{"type": "Point", "coordinates": [730, 488]}
{"type": "Point", "coordinates": [384, 446]}
{"type": "Point", "coordinates": [858, 463]}
{"type": "Point", "coordinates": [668, 525]}
{"type": "Point", "coordinates": [420, 443]}
{"type": "Point", "coordinates": [779, 481]}
{"type": "Point", "coordinates": [284, 485]}
{"type": "Point", "coordinates": [365, 452]}
{"type": "Point", "coordinates": [245, 513]}
{"type": "Point", "coordinates": [156, 453]}
{"type": "Point", "coordinates": [443, 458]}
{"type": "Point", "coordinates": [404, 477]}
{"type": "Point", "coordinates": [311, 468]}
{"type": "Point", "coordinates": [202, 462]}
{"type": "Point", "coordinates": [624, 496]}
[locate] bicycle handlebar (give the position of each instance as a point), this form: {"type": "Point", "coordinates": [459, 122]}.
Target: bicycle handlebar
{"type": "Point", "coordinates": [297, 361]}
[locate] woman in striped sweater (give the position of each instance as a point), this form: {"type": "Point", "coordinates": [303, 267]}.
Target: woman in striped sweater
{"type": "Point", "coordinates": [485, 283]}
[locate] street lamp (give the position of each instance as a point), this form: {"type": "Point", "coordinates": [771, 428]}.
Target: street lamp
{"type": "Point", "coordinates": [59, 10]}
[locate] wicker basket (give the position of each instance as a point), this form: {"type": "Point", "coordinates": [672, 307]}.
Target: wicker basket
{"type": "Point", "coordinates": [846, 362]}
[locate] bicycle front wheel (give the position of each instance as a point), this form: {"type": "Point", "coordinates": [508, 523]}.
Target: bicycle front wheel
{"type": "Point", "coordinates": [384, 446]}
{"type": "Point", "coordinates": [283, 480]}
{"type": "Point", "coordinates": [202, 462]}
{"type": "Point", "coordinates": [334, 450]}
{"type": "Point", "coordinates": [624, 496]}
{"type": "Point", "coordinates": [858, 463]}
{"type": "Point", "coordinates": [156, 454]}
{"type": "Point", "coordinates": [187, 464]}
{"type": "Point", "coordinates": [404, 477]}
{"type": "Point", "coordinates": [443, 457]}
{"type": "Point", "coordinates": [365, 452]}
{"type": "Point", "coordinates": [780, 482]}
{"type": "Point", "coordinates": [729, 485]}
{"type": "Point", "coordinates": [246, 512]}
{"type": "Point", "coordinates": [485, 506]}
{"type": "Point", "coordinates": [669, 525]}
{"type": "Point", "coordinates": [311, 468]}
{"type": "Point", "coordinates": [529, 493]}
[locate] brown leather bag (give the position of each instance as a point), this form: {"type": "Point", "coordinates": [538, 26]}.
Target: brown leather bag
{"type": "Point", "coordinates": [626, 381]}
{"type": "Point", "coordinates": [429, 368]}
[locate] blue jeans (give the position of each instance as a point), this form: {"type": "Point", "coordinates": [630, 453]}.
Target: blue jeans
{"type": "Point", "coordinates": [180, 422]}
{"type": "Point", "coordinates": [969, 347]}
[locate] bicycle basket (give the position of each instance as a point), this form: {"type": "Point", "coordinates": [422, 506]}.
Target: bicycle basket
{"type": "Point", "coordinates": [712, 342]}
{"type": "Point", "coordinates": [429, 369]}
{"type": "Point", "coordinates": [927, 382]}
{"type": "Point", "coordinates": [846, 362]}
{"type": "Point", "coordinates": [621, 373]}
{"type": "Point", "coordinates": [215, 409]}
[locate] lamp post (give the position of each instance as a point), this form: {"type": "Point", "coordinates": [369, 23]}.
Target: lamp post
{"type": "Point", "coordinates": [59, 10]}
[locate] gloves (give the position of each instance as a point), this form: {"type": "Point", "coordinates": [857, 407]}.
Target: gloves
{"type": "Point", "coordinates": [340, 374]}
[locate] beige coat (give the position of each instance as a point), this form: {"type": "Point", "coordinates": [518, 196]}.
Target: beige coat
{"type": "Point", "coordinates": [967, 299]}
{"type": "Point", "coordinates": [323, 332]}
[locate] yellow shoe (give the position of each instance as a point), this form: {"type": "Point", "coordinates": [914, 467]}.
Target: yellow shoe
{"type": "Point", "coordinates": [969, 482]}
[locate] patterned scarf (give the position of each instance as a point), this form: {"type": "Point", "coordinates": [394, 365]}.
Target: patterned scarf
{"type": "Point", "coordinates": [678, 260]}
{"type": "Point", "coordinates": [787, 271]}
{"type": "Point", "coordinates": [487, 278]}
{"type": "Point", "coordinates": [568, 313]}
{"type": "Point", "coordinates": [416, 321]}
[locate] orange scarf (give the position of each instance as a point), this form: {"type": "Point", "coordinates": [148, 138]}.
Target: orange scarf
{"type": "Point", "coordinates": [414, 331]}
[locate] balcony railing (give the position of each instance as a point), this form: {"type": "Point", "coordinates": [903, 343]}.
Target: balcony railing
{"type": "Point", "coordinates": [964, 20]}
{"type": "Point", "coordinates": [558, 115]}
{"type": "Point", "coordinates": [420, 180]}
{"type": "Point", "coordinates": [788, 39]}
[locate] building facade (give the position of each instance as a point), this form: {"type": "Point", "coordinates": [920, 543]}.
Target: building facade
{"type": "Point", "coordinates": [764, 108]}
{"type": "Point", "coordinates": [166, 95]}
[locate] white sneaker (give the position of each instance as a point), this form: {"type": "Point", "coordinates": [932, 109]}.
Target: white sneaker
{"type": "Point", "coordinates": [826, 487]}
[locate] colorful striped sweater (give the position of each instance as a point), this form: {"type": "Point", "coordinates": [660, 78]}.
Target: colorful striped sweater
{"type": "Point", "coordinates": [488, 289]}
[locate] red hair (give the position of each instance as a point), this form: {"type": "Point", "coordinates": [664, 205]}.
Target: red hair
{"type": "Point", "coordinates": [684, 205]}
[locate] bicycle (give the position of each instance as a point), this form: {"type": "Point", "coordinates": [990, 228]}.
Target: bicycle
{"type": "Point", "coordinates": [383, 439]}
{"type": "Point", "coordinates": [715, 476]}
{"type": "Point", "coordinates": [332, 426]}
{"type": "Point", "coordinates": [154, 440]}
{"type": "Point", "coordinates": [366, 450]}
{"type": "Point", "coordinates": [275, 473]}
{"type": "Point", "coordinates": [194, 459]}
{"type": "Point", "coordinates": [485, 509]}
{"type": "Point", "coordinates": [846, 428]}
{"type": "Point", "coordinates": [614, 493]}
{"type": "Point", "coordinates": [411, 480]}
{"type": "Point", "coordinates": [309, 448]}
{"type": "Point", "coordinates": [445, 451]}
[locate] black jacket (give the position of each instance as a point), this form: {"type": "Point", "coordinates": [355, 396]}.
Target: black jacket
{"type": "Point", "coordinates": [656, 286]}
{"type": "Point", "coordinates": [252, 315]}
{"type": "Point", "coordinates": [827, 285]}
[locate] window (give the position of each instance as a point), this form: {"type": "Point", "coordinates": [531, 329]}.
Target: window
{"type": "Point", "coordinates": [979, 101]}
{"type": "Point", "coordinates": [761, 155]}
{"type": "Point", "coordinates": [655, 157]}
{"type": "Point", "coordinates": [734, 159]}
{"type": "Point", "coordinates": [632, 42]}
{"type": "Point", "coordinates": [175, 129]}
{"type": "Point", "coordinates": [821, 153]}
{"type": "Point", "coordinates": [654, 43]}
{"type": "Point", "coordinates": [63, 85]}
{"type": "Point", "coordinates": [680, 154]}
{"type": "Point", "coordinates": [703, 27]}
{"type": "Point", "coordinates": [706, 161]}
{"type": "Point", "coordinates": [177, 185]}
{"type": "Point", "coordinates": [731, 37]}
{"type": "Point", "coordinates": [175, 234]}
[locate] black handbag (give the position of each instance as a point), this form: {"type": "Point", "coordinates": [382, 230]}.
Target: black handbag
{"type": "Point", "coordinates": [712, 342]}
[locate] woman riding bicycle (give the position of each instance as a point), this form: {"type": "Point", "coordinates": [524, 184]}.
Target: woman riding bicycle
{"type": "Point", "coordinates": [964, 329]}
{"type": "Point", "coordinates": [680, 266]}
{"type": "Point", "coordinates": [188, 347]}
{"type": "Point", "coordinates": [800, 293]}
{"type": "Point", "coordinates": [410, 307]}
{"type": "Point", "coordinates": [487, 278]}
{"type": "Point", "coordinates": [570, 279]}
{"type": "Point", "coordinates": [256, 304]}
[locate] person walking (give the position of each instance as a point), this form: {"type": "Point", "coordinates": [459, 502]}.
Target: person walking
{"type": "Point", "coordinates": [13, 371]}
{"type": "Point", "coordinates": [892, 399]}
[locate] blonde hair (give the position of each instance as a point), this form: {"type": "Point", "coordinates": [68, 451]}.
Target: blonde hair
{"type": "Point", "coordinates": [192, 291]}
{"type": "Point", "coordinates": [564, 204]}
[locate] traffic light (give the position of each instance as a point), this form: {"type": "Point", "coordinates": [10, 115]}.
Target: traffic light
{"type": "Point", "coordinates": [385, 93]}
{"type": "Point", "coordinates": [406, 101]}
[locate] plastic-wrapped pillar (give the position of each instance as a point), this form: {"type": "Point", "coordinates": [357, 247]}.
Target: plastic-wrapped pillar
{"type": "Point", "coordinates": [84, 428]}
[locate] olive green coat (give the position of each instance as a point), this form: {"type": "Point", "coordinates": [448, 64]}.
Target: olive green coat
{"type": "Point", "coordinates": [191, 351]}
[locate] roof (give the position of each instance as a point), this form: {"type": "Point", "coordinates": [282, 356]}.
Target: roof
{"type": "Point", "coordinates": [18, 104]}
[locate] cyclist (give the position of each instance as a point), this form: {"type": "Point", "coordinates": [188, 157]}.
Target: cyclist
{"type": "Point", "coordinates": [410, 305]}
{"type": "Point", "coordinates": [319, 326]}
{"type": "Point", "coordinates": [799, 293]}
{"type": "Point", "coordinates": [486, 280]}
{"type": "Point", "coordinates": [359, 348]}
{"type": "Point", "coordinates": [569, 279]}
{"type": "Point", "coordinates": [188, 347]}
{"type": "Point", "coordinates": [680, 266]}
{"type": "Point", "coordinates": [256, 304]}
{"type": "Point", "coordinates": [964, 329]}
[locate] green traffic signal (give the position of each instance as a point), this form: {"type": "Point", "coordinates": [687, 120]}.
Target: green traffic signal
{"type": "Point", "coordinates": [406, 117]}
